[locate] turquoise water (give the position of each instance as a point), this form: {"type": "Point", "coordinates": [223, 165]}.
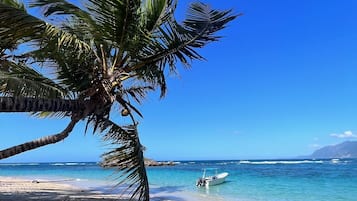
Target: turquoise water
{"type": "Point", "coordinates": [258, 180]}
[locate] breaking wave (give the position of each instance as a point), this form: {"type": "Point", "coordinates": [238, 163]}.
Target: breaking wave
{"type": "Point", "coordinates": [280, 162]}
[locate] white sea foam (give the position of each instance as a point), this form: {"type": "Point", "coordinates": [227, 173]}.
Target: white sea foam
{"type": "Point", "coordinates": [72, 163]}
{"type": "Point", "coordinates": [335, 160]}
{"type": "Point", "coordinates": [339, 161]}
{"type": "Point", "coordinates": [279, 162]}
{"type": "Point", "coordinates": [57, 164]}
{"type": "Point", "coordinates": [18, 164]}
{"type": "Point", "coordinates": [67, 164]}
{"type": "Point", "coordinates": [33, 164]}
{"type": "Point", "coordinates": [226, 162]}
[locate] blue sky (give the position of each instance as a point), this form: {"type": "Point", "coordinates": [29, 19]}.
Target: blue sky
{"type": "Point", "coordinates": [281, 83]}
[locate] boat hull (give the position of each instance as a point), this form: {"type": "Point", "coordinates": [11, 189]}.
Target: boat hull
{"type": "Point", "coordinates": [217, 179]}
{"type": "Point", "coordinates": [212, 180]}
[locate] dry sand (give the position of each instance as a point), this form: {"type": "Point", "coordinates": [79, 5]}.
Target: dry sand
{"type": "Point", "coordinates": [14, 189]}
{"type": "Point", "coordinates": [22, 189]}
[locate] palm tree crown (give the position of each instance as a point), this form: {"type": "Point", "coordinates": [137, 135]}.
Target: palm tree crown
{"type": "Point", "coordinates": [103, 55]}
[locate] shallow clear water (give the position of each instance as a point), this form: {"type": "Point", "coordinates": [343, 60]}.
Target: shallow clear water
{"type": "Point", "coordinates": [288, 180]}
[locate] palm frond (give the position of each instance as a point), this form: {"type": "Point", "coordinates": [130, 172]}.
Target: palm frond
{"type": "Point", "coordinates": [14, 3]}
{"type": "Point", "coordinates": [99, 52]}
{"type": "Point", "coordinates": [59, 7]}
{"type": "Point", "coordinates": [73, 71]}
{"type": "Point", "coordinates": [138, 93]}
{"type": "Point", "coordinates": [117, 20]}
{"type": "Point", "coordinates": [199, 28]}
{"type": "Point", "coordinates": [17, 79]}
{"type": "Point", "coordinates": [154, 75]}
{"type": "Point", "coordinates": [17, 26]}
{"type": "Point", "coordinates": [127, 157]}
{"type": "Point", "coordinates": [174, 42]}
{"type": "Point", "coordinates": [128, 106]}
{"type": "Point", "coordinates": [66, 39]}
{"type": "Point", "coordinates": [50, 114]}
{"type": "Point", "coordinates": [77, 21]}
{"type": "Point", "coordinates": [157, 12]}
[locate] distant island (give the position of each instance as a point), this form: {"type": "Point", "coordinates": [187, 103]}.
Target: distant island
{"type": "Point", "coordinates": [346, 149]}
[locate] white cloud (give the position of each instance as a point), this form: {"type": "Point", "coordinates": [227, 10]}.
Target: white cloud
{"type": "Point", "coordinates": [346, 134]}
{"type": "Point", "coordinates": [315, 146]}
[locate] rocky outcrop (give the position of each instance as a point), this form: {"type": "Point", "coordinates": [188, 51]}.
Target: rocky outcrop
{"type": "Point", "coordinates": [150, 162]}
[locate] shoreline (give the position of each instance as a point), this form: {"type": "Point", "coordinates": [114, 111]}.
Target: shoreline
{"type": "Point", "coordinates": [70, 189]}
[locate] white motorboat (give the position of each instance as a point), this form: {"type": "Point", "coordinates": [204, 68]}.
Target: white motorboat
{"type": "Point", "coordinates": [211, 180]}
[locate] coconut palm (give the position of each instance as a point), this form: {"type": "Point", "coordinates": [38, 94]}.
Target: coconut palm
{"type": "Point", "coordinates": [103, 56]}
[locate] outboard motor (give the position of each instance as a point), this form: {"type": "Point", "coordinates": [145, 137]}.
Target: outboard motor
{"type": "Point", "coordinates": [201, 182]}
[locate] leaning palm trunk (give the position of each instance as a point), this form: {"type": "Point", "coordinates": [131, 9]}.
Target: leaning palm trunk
{"type": "Point", "coordinates": [38, 142]}
{"type": "Point", "coordinates": [105, 52]}
{"type": "Point", "coordinates": [25, 104]}
{"type": "Point", "coordinates": [75, 108]}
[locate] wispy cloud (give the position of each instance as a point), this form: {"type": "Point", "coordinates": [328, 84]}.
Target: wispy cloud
{"type": "Point", "coordinates": [315, 146]}
{"type": "Point", "coordinates": [346, 134]}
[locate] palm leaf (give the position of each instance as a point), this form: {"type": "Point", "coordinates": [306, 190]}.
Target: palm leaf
{"type": "Point", "coordinates": [174, 42]}
{"type": "Point", "coordinates": [127, 157]}
{"type": "Point", "coordinates": [117, 20]}
{"type": "Point", "coordinates": [16, 26]}
{"type": "Point", "coordinates": [14, 4]}
{"type": "Point", "coordinates": [59, 7]}
{"type": "Point", "coordinates": [77, 21]}
{"type": "Point", "coordinates": [157, 12]}
{"type": "Point", "coordinates": [66, 39]}
{"type": "Point", "coordinates": [138, 93]}
{"type": "Point", "coordinates": [197, 30]}
{"type": "Point", "coordinates": [72, 71]}
{"type": "Point", "coordinates": [93, 50]}
{"type": "Point", "coordinates": [17, 79]}
{"type": "Point", "coordinates": [154, 75]}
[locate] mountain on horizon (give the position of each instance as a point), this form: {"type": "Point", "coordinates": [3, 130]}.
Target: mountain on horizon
{"type": "Point", "coordinates": [347, 149]}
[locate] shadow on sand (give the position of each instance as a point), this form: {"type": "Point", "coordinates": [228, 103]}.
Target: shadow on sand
{"type": "Point", "coordinates": [58, 195]}
{"type": "Point", "coordinates": [162, 193]}
{"type": "Point", "coordinates": [171, 193]}
{"type": "Point", "coordinates": [166, 193]}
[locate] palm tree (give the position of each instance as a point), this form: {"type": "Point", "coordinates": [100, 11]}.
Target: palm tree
{"type": "Point", "coordinates": [103, 56]}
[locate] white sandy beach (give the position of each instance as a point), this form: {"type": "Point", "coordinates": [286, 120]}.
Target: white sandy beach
{"type": "Point", "coordinates": [16, 189]}
{"type": "Point", "coordinates": [24, 189]}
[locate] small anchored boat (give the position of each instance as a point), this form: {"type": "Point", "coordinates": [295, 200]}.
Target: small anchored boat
{"type": "Point", "coordinates": [211, 180]}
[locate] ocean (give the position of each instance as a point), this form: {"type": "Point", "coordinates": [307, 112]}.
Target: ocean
{"type": "Point", "coordinates": [248, 180]}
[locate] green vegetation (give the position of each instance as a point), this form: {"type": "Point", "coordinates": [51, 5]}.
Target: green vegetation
{"type": "Point", "coordinates": [103, 57]}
